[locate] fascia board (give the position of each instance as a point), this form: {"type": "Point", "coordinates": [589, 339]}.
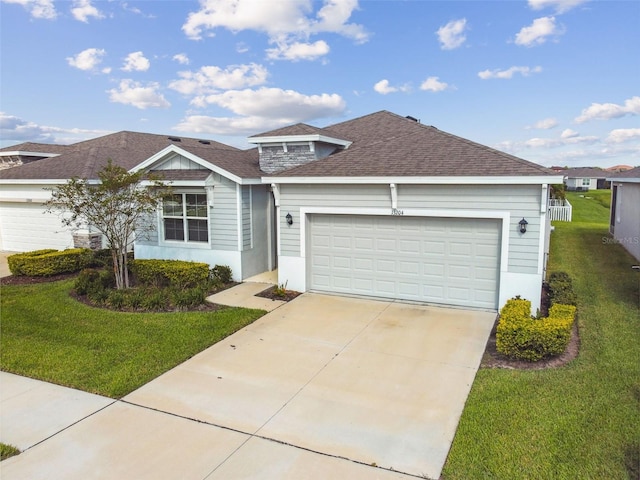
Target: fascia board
{"type": "Point", "coordinates": [300, 138]}
{"type": "Point", "coordinates": [29, 154]}
{"type": "Point", "coordinates": [524, 180]}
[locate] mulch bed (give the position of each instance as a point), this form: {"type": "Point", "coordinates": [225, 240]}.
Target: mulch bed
{"type": "Point", "coordinates": [271, 294]}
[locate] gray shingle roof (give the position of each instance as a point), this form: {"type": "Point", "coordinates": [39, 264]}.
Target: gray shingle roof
{"type": "Point", "coordinates": [633, 173]}
{"type": "Point", "coordinates": [585, 172]}
{"type": "Point", "coordinates": [128, 149]}
{"type": "Point", "coordinates": [386, 144]}
{"type": "Point", "coordinates": [36, 147]}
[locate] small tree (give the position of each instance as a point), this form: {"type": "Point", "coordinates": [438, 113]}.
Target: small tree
{"type": "Point", "coordinates": [118, 206]}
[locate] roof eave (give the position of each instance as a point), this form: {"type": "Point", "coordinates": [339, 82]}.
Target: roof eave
{"type": "Point", "coordinates": [300, 138]}
{"type": "Point", "coordinates": [28, 154]}
{"type": "Point", "coordinates": [433, 180]}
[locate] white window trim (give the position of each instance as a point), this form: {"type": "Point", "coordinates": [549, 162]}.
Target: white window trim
{"type": "Point", "coordinates": [184, 243]}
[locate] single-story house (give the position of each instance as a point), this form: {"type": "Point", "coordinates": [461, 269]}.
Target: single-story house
{"type": "Point", "coordinates": [378, 206]}
{"type": "Point", "coordinates": [624, 222]}
{"type": "Point", "coordinates": [586, 178]}
{"type": "Point", "coordinates": [217, 213]}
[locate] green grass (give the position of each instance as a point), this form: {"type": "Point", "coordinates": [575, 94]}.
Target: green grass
{"type": "Point", "coordinates": [48, 335]}
{"type": "Point", "coordinates": [590, 207]}
{"type": "Point", "coordinates": [7, 451]}
{"type": "Point", "coordinates": [580, 421]}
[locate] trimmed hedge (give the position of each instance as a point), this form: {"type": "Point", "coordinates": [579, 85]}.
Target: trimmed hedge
{"type": "Point", "coordinates": [561, 289]}
{"type": "Point", "coordinates": [48, 262]}
{"type": "Point", "coordinates": [522, 337]}
{"type": "Point", "coordinates": [174, 273]}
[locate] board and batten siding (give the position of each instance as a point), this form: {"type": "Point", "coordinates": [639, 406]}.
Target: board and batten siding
{"type": "Point", "coordinates": [223, 217]}
{"type": "Point", "coordinates": [246, 207]}
{"type": "Point", "coordinates": [520, 201]}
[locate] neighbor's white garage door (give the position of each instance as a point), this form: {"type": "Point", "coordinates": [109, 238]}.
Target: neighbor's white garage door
{"type": "Point", "coordinates": [25, 227]}
{"type": "Point", "coordinates": [437, 260]}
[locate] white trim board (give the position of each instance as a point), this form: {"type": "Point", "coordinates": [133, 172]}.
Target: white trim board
{"type": "Point", "coordinates": [444, 180]}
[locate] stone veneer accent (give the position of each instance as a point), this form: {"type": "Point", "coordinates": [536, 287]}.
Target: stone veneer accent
{"type": "Point", "coordinates": [274, 159]}
{"type": "Point", "coordinates": [92, 241]}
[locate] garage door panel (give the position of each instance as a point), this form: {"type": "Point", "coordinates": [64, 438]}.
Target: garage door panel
{"type": "Point", "coordinates": [364, 265]}
{"type": "Point", "coordinates": [436, 260]}
{"type": "Point", "coordinates": [436, 247]}
{"type": "Point", "coordinates": [386, 266]}
{"type": "Point", "coordinates": [26, 227]}
{"type": "Point", "coordinates": [409, 268]}
{"type": "Point", "coordinates": [411, 247]}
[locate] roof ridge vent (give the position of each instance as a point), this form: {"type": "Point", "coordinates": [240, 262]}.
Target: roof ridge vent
{"type": "Point", "coordinates": [417, 120]}
{"type": "Point", "coordinates": [204, 142]}
{"type": "Point", "coordinates": [175, 139]}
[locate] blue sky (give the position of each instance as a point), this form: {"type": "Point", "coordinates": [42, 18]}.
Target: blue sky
{"type": "Point", "coordinates": [552, 81]}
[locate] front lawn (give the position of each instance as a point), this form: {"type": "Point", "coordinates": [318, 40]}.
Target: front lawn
{"type": "Point", "coordinates": [581, 420]}
{"type": "Point", "coordinates": [46, 334]}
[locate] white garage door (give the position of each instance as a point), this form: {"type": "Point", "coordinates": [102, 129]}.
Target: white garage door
{"type": "Point", "coordinates": [25, 227]}
{"type": "Point", "coordinates": [436, 260]}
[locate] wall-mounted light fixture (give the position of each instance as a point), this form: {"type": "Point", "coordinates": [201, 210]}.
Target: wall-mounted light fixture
{"type": "Point", "coordinates": [523, 225]}
{"type": "Point", "coordinates": [289, 219]}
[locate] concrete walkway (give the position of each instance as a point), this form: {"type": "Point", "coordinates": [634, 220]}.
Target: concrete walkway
{"type": "Point", "coordinates": [4, 265]}
{"type": "Point", "coordinates": [321, 387]}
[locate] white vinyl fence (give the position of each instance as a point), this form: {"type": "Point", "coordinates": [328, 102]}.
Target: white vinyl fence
{"type": "Point", "coordinates": [560, 210]}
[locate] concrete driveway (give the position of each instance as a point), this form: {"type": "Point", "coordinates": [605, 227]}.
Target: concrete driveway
{"type": "Point", "coordinates": [322, 387]}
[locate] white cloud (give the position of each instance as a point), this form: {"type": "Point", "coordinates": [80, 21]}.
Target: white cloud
{"type": "Point", "coordinates": [134, 93]}
{"type": "Point", "coordinates": [560, 6]}
{"type": "Point", "coordinates": [298, 51]}
{"type": "Point", "coordinates": [433, 84]}
{"type": "Point", "coordinates": [621, 135]}
{"type": "Point", "coordinates": [568, 137]}
{"type": "Point", "coordinates": [568, 133]}
{"type": "Point", "coordinates": [262, 109]}
{"type": "Point", "coordinates": [508, 73]}
{"type": "Point", "coordinates": [275, 103]}
{"type": "Point", "coordinates": [136, 62]}
{"type": "Point", "coordinates": [16, 129]}
{"type": "Point", "coordinates": [181, 58]}
{"type": "Point", "coordinates": [383, 87]}
{"type": "Point", "coordinates": [538, 32]}
{"type": "Point", "coordinates": [285, 22]}
{"type": "Point", "coordinates": [38, 8]}
{"type": "Point", "coordinates": [211, 79]}
{"type": "Point", "coordinates": [452, 35]}
{"type": "Point", "coordinates": [88, 59]}
{"type": "Point", "coordinates": [607, 111]}
{"type": "Point", "coordinates": [545, 124]}
{"type": "Point", "coordinates": [83, 9]}
{"type": "Point", "coordinates": [333, 17]}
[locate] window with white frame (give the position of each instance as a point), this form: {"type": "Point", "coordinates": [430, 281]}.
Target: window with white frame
{"type": "Point", "coordinates": [586, 182]}
{"type": "Point", "coordinates": [186, 217]}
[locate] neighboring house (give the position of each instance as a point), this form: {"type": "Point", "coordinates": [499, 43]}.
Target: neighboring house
{"type": "Point", "coordinates": [217, 215]}
{"type": "Point", "coordinates": [586, 178]}
{"type": "Point", "coordinates": [624, 222]}
{"type": "Point", "coordinates": [379, 206]}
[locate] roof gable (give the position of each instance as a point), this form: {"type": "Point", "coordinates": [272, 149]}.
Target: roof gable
{"type": "Point", "coordinates": [129, 149]}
